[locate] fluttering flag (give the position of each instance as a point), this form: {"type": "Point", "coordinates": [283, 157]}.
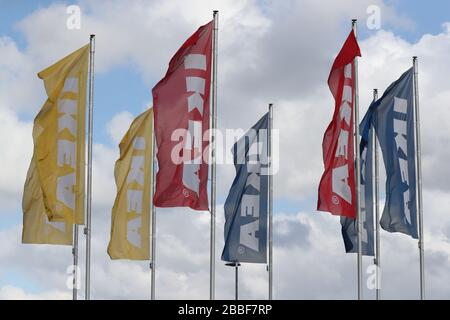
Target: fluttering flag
{"type": "Point", "coordinates": [53, 198]}
{"type": "Point", "coordinates": [37, 229]}
{"type": "Point", "coordinates": [246, 205]}
{"type": "Point", "coordinates": [181, 103]}
{"type": "Point", "coordinates": [337, 192]}
{"type": "Point", "coordinates": [130, 231]}
{"type": "Point", "coordinates": [349, 225]}
{"type": "Point", "coordinates": [394, 123]}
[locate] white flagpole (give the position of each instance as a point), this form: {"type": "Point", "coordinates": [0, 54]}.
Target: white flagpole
{"type": "Point", "coordinates": [270, 204]}
{"type": "Point", "coordinates": [358, 169]}
{"type": "Point", "coordinates": [212, 262]}
{"type": "Point", "coordinates": [153, 222]}
{"type": "Point", "coordinates": [75, 263]}
{"type": "Point", "coordinates": [377, 206]}
{"type": "Point", "coordinates": [87, 229]}
{"type": "Point", "coordinates": [419, 198]}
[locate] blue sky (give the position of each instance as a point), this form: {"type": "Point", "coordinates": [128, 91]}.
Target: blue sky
{"type": "Point", "coordinates": [424, 17]}
{"type": "Point", "coordinates": [427, 17]}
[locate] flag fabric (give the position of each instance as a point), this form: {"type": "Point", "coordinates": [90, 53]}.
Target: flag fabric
{"type": "Point", "coordinates": [53, 198]}
{"type": "Point", "coordinates": [349, 225]}
{"type": "Point", "coordinates": [246, 206]}
{"type": "Point", "coordinates": [394, 123]}
{"type": "Point", "coordinates": [337, 192]}
{"type": "Point", "coordinates": [130, 224]}
{"type": "Point", "coordinates": [181, 103]}
{"type": "Point", "coordinates": [59, 139]}
{"type": "Point", "coordinates": [37, 229]}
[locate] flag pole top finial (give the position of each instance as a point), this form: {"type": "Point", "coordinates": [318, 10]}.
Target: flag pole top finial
{"type": "Point", "coordinates": [414, 58]}
{"type": "Point", "coordinates": [375, 90]}
{"type": "Point", "coordinates": [354, 24]}
{"type": "Point", "coordinates": [215, 11]}
{"type": "Point", "coordinates": [92, 36]}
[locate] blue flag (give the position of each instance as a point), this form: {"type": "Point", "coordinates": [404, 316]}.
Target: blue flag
{"type": "Point", "coordinates": [349, 226]}
{"type": "Point", "coordinates": [246, 205]}
{"type": "Point", "coordinates": [394, 122]}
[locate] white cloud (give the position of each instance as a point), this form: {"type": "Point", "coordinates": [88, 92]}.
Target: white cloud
{"type": "Point", "coordinates": [118, 126]}
{"type": "Point", "coordinates": [16, 146]}
{"type": "Point", "coordinates": [14, 293]}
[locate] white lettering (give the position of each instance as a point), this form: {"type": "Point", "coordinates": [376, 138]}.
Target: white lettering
{"type": "Point", "coordinates": [66, 153]}
{"type": "Point", "coordinates": [340, 184]}
{"type": "Point", "coordinates": [342, 147]}
{"type": "Point", "coordinates": [346, 112]}
{"type": "Point", "coordinates": [400, 131]}
{"type": "Point", "coordinates": [133, 234]}
{"type": "Point", "coordinates": [195, 61]}
{"type": "Point", "coordinates": [65, 190]}
{"type": "Point", "coordinates": [134, 201]}
{"type": "Point", "coordinates": [248, 235]}
{"type": "Point", "coordinates": [136, 172]}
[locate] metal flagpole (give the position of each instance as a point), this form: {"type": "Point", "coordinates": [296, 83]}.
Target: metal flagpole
{"type": "Point", "coordinates": [212, 265]}
{"type": "Point", "coordinates": [75, 263]}
{"type": "Point", "coordinates": [419, 198]}
{"type": "Point", "coordinates": [153, 251]}
{"type": "Point", "coordinates": [358, 168]}
{"type": "Point", "coordinates": [269, 150]}
{"type": "Point", "coordinates": [376, 205]}
{"type": "Point", "coordinates": [87, 229]}
{"type": "Point", "coordinates": [236, 266]}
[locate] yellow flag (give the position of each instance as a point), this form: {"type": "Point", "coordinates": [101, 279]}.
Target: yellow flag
{"type": "Point", "coordinates": [36, 227]}
{"type": "Point", "coordinates": [59, 139]}
{"type": "Point", "coordinates": [53, 198]}
{"type": "Point", "coordinates": [130, 232]}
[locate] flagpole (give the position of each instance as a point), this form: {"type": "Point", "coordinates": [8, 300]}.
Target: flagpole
{"type": "Point", "coordinates": [87, 229]}
{"type": "Point", "coordinates": [212, 265]}
{"type": "Point", "coordinates": [269, 150]}
{"type": "Point", "coordinates": [236, 266]}
{"type": "Point", "coordinates": [358, 167]}
{"type": "Point", "coordinates": [75, 263]}
{"type": "Point", "coordinates": [419, 198]}
{"type": "Point", "coordinates": [377, 206]}
{"type": "Point", "coordinates": [153, 222]}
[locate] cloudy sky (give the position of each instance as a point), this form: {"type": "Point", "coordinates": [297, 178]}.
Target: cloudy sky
{"type": "Point", "coordinates": [269, 51]}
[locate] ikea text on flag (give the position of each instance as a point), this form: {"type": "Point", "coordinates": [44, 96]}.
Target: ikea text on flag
{"type": "Point", "coordinates": [60, 147]}
{"type": "Point", "coordinates": [182, 108]}
{"type": "Point", "coordinates": [53, 198]}
{"type": "Point", "coordinates": [130, 232]}
{"type": "Point", "coordinates": [337, 186]}
{"type": "Point", "coordinates": [394, 123]}
{"type": "Point", "coordinates": [246, 207]}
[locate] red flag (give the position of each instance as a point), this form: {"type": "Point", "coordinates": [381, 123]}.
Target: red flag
{"type": "Point", "coordinates": [337, 192]}
{"type": "Point", "coordinates": [181, 109]}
